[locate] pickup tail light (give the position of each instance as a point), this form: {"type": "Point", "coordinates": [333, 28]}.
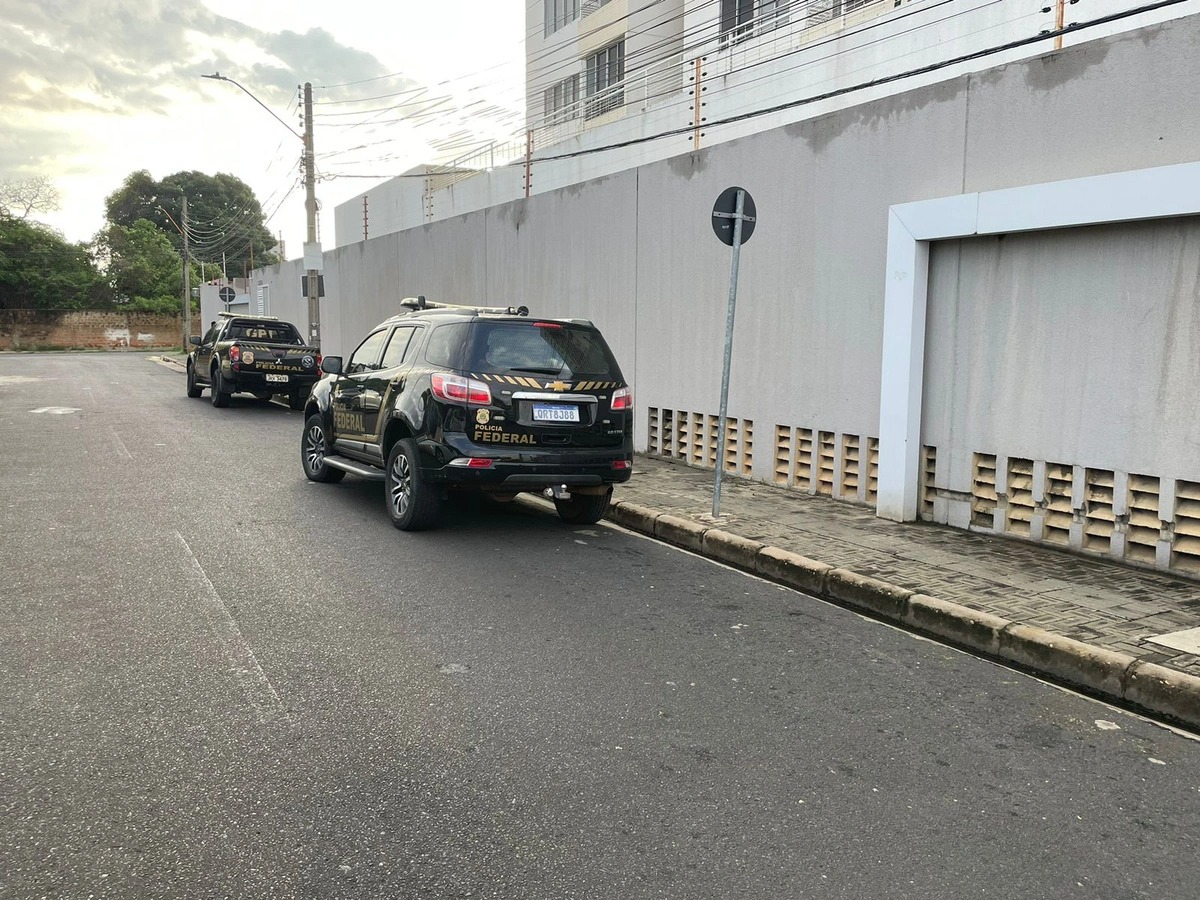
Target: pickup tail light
{"type": "Point", "coordinates": [457, 389]}
{"type": "Point", "coordinates": [621, 465]}
{"type": "Point", "coordinates": [622, 399]}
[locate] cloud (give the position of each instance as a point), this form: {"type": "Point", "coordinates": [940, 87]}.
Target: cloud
{"type": "Point", "coordinates": [139, 57]}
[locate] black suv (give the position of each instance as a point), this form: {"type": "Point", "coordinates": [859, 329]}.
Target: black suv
{"type": "Point", "coordinates": [448, 398]}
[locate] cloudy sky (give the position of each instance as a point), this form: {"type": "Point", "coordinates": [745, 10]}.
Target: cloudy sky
{"type": "Point", "coordinates": [92, 90]}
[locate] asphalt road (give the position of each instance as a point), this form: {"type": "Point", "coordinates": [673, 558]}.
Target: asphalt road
{"type": "Point", "coordinates": [220, 680]}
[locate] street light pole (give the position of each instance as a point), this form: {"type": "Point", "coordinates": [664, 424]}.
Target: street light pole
{"type": "Point", "coordinates": [312, 250]}
{"type": "Point", "coordinates": [187, 285]}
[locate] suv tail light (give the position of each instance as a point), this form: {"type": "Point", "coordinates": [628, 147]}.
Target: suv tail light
{"type": "Point", "coordinates": [235, 354]}
{"type": "Point", "coordinates": [622, 399]}
{"type": "Point", "coordinates": [457, 389]}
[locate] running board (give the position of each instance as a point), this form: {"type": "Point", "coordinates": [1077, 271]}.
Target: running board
{"type": "Point", "coordinates": [362, 471]}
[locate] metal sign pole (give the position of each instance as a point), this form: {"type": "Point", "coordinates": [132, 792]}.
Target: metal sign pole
{"type": "Point", "coordinates": [738, 216]}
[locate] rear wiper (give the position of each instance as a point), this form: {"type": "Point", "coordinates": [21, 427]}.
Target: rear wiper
{"type": "Point", "coordinates": [542, 371]}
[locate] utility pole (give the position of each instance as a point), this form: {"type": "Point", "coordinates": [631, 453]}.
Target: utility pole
{"type": "Point", "coordinates": [310, 206]}
{"type": "Point", "coordinates": [312, 250]}
{"type": "Point", "coordinates": [187, 285]}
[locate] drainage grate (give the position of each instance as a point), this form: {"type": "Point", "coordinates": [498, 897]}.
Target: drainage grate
{"type": "Point", "coordinates": [983, 491]}
{"type": "Point", "coordinates": [825, 462]}
{"type": "Point", "coordinates": [872, 471]}
{"type": "Point", "coordinates": [928, 486]}
{"type": "Point", "coordinates": [1056, 528]}
{"type": "Point", "coordinates": [850, 462]}
{"type": "Point", "coordinates": [1019, 520]}
{"type": "Point", "coordinates": [1145, 525]}
{"type": "Point", "coordinates": [783, 454]}
{"type": "Point", "coordinates": [746, 457]}
{"type": "Point", "coordinates": [1185, 547]}
{"type": "Point", "coordinates": [681, 435]}
{"type": "Point", "coordinates": [731, 446]}
{"type": "Point", "coordinates": [1098, 516]}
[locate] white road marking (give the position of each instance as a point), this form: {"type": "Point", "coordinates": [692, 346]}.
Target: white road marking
{"type": "Point", "coordinates": [122, 450]}
{"type": "Point", "coordinates": [55, 410]}
{"type": "Point", "coordinates": [243, 663]}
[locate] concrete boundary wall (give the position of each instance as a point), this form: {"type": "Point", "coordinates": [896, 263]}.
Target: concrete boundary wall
{"type": "Point", "coordinates": [635, 251]}
{"type": "Point", "coordinates": [87, 330]}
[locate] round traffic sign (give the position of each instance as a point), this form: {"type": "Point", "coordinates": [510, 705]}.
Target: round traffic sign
{"type": "Point", "coordinates": [227, 295]}
{"type": "Point", "coordinates": [725, 211]}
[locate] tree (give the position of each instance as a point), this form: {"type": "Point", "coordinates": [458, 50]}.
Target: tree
{"type": "Point", "coordinates": [143, 270]}
{"type": "Point", "coordinates": [224, 216]}
{"type": "Point", "coordinates": [39, 269]}
{"type": "Point", "coordinates": [22, 196]}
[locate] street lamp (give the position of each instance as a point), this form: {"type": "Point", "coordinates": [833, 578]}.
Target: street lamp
{"type": "Point", "coordinates": [312, 250]}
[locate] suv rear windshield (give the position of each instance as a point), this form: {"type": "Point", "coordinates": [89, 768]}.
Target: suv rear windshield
{"type": "Point", "coordinates": [271, 332]}
{"type": "Point", "coordinates": [556, 349]}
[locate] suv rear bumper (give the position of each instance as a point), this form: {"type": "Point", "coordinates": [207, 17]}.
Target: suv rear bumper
{"type": "Point", "coordinates": [528, 470]}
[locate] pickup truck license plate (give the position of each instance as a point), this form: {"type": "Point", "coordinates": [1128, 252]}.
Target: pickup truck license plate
{"type": "Point", "coordinates": [282, 378]}
{"type": "Point", "coordinates": [545, 413]}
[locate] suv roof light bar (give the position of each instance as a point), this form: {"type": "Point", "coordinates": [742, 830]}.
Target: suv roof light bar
{"type": "Point", "coordinates": [225, 314]}
{"type": "Point", "coordinates": [419, 302]}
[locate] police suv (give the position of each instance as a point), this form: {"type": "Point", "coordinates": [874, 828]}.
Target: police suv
{"type": "Point", "coordinates": [448, 398]}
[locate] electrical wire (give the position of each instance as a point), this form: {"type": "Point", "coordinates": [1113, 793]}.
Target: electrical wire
{"type": "Point", "coordinates": [889, 79]}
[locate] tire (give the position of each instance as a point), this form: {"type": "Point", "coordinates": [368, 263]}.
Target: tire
{"type": "Point", "coordinates": [193, 390]}
{"type": "Point", "coordinates": [220, 397]}
{"type": "Point", "coordinates": [583, 509]}
{"type": "Point", "coordinates": [312, 453]}
{"type": "Point", "coordinates": [412, 504]}
{"type": "Point", "coordinates": [297, 399]}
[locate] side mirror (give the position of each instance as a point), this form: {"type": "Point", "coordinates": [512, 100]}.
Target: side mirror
{"type": "Point", "coordinates": [194, 341]}
{"type": "Point", "coordinates": [331, 365]}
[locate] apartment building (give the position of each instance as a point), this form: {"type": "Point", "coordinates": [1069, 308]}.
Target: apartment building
{"type": "Point", "coordinates": [613, 84]}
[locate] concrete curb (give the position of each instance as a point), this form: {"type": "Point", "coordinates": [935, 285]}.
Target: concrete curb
{"type": "Point", "coordinates": [1116, 677]}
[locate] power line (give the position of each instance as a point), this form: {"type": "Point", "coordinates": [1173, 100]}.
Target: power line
{"type": "Point", "coordinates": [889, 79]}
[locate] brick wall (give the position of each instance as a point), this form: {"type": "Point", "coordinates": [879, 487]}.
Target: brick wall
{"type": "Point", "coordinates": [88, 330]}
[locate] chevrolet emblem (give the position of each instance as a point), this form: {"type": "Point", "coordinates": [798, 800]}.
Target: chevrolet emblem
{"type": "Point", "coordinates": [557, 386]}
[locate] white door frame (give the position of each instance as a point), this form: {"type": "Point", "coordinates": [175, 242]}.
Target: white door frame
{"type": "Point", "coordinates": [1132, 196]}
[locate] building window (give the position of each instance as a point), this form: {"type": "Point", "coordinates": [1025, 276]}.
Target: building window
{"type": "Point", "coordinates": [741, 19]}
{"type": "Point", "coordinates": [561, 102]}
{"type": "Point", "coordinates": [560, 13]}
{"type": "Point", "coordinates": [605, 72]}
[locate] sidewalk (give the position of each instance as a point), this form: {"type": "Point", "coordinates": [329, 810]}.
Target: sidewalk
{"type": "Point", "coordinates": [1070, 618]}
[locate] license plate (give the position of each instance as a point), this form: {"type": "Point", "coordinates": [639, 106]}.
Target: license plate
{"type": "Point", "coordinates": [282, 378]}
{"type": "Point", "coordinates": [546, 413]}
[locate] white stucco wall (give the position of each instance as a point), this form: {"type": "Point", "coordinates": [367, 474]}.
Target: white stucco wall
{"type": "Point", "coordinates": [1010, 319]}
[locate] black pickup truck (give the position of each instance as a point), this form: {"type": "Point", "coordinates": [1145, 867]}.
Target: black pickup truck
{"type": "Point", "coordinates": [258, 355]}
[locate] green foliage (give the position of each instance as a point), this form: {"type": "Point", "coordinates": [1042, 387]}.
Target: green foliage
{"type": "Point", "coordinates": [224, 216]}
{"type": "Point", "coordinates": [143, 269]}
{"type": "Point", "coordinates": [39, 269]}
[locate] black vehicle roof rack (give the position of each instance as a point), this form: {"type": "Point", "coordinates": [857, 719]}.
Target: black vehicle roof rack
{"type": "Point", "coordinates": [419, 302]}
{"type": "Point", "coordinates": [226, 314]}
